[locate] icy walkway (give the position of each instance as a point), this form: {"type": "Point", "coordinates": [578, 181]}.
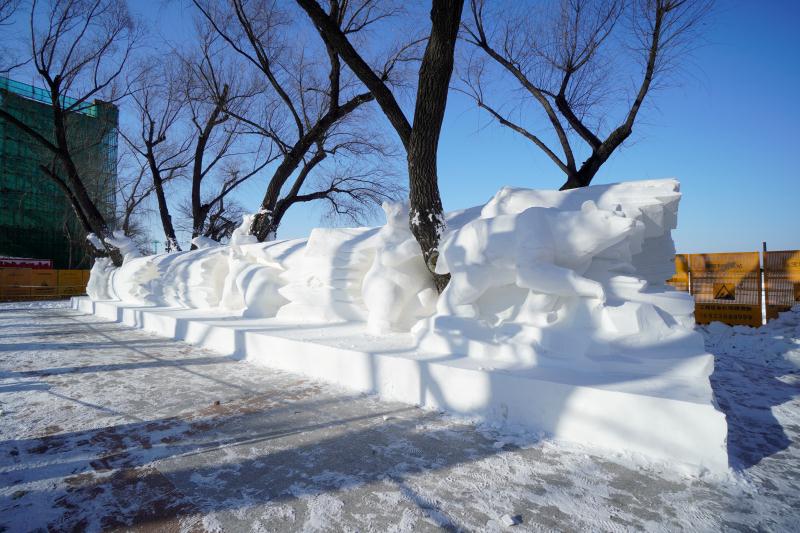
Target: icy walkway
{"type": "Point", "coordinates": [106, 427]}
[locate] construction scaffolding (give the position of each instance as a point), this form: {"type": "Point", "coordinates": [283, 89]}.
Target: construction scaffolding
{"type": "Point", "coordinates": [36, 219]}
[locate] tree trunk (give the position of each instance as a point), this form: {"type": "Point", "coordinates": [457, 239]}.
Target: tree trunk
{"type": "Point", "coordinates": [199, 213]}
{"type": "Point", "coordinates": [422, 138]}
{"type": "Point", "coordinates": [163, 207]}
{"type": "Point", "coordinates": [263, 222]}
{"type": "Point", "coordinates": [584, 176]}
{"type": "Point", "coordinates": [97, 224]}
{"type": "Point", "coordinates": [197, 178]}
{"type": "Point", "coordinates": [426, 212]}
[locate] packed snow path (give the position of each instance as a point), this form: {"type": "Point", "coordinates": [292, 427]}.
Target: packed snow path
{"type": "Point", "coordinates": [106, 427]}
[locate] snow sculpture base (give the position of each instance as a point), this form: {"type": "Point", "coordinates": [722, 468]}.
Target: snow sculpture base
{"type": "Point", "coordinates": [668, 418]}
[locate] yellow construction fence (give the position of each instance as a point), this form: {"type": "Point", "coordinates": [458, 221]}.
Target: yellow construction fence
{"type": "Point", "coordinates": [17, 284]}
{"type": "Point", "coordinates": [732, 287]}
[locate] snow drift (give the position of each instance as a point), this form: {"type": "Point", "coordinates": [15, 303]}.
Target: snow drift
{"type": "Point", "coordinates": [566, 288]}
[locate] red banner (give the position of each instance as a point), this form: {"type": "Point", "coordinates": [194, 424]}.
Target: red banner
{"type": "Point", "coordinates": [24, 262]}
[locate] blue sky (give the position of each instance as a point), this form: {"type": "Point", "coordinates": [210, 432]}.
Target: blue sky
{"type": "Point", "coordinates": [730, 132]}
{"type": "Point", "coordinates": [728, 128]}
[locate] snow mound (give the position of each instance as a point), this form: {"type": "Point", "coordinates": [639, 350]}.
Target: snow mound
{"type": "Point", "coordinates": [775, 344]}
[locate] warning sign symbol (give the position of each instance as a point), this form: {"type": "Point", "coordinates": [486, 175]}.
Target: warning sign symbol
{"type": "Point", "coordinates": [724, 291]}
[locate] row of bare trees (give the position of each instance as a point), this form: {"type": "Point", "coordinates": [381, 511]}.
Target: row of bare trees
{"type": "Point", "coordinates": [285, 95]}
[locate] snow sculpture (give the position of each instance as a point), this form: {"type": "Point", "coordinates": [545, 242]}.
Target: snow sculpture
{"type": "Point", "coordinates": [556, 318]}
{"type": "Point", "coordinates": [233, 288]}
{"type": "Point", "coordinates": [136, 281]}
{"type": "Point", "coordinates": [326, 285]}
{"type": "Point", "coordinates": [254, 277]}
{"type": "Point", "coordinates": [126, 246]}
{"type": "Point", "coordinates": [254, 272]}
{"type": "Point", "coordinates": [547, 278]}
{"type": "Point", "coordinates": [192, 279]}
{"type": "Point", "coordinates": [538, 278]}
{"type": "Point", "coordinates": [99, 285]}
{"type": "Point", "coordinates": [397, 289]}
{"type": "Point", "coordinates": [242, 277]}
{"type": "Point", "coordinates": [105, 281]}
{"type": "Point", "coordinates": [526, 249]}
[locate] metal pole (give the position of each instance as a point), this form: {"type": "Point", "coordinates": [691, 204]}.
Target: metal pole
{"type": "Point", "coordinates": [764, 278]}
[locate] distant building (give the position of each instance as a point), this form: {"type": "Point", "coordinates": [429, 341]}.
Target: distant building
{"type": "Point", "coordinates": [36, 219]}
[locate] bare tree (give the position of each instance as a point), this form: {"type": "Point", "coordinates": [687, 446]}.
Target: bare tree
{"type": "Point", "coordinates": [7, 9]}
{"type": "Point", "coordinates": [223, 219]}
{"type": "Point", "coordinates": [158, 143]}
{"type": "Point", "coordinates": [421, 140]}
{"type": "Point", "coordinates": [350, 192]}
{"type": "Point", "coordinates": [215, 96]}
{"type": "Point", "coordinates": [305, 108]}
{"type": "Point", "coordinates": [133, 190]}
{"type": "Point", "coordinates": [566, 62]}
{"type": "Point", "coordinates": [79, 47]}
{"type": "Point", "coordinates": [224, 216]}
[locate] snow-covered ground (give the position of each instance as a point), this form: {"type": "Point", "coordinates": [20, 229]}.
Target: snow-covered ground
{"type": "Point", "coordinates": [106, 427]}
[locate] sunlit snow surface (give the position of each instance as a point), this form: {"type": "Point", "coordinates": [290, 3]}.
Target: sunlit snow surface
{"type": "Point", "coordinates": [107, 427]}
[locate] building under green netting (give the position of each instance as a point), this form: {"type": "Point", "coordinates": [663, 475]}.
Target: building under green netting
{"type": "Point", "coordinates": [36, 220]}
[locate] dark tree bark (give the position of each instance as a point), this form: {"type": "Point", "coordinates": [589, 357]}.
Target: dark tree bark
{"type": "Point", "coordinates": [215, 118]}
{"type": "Point", "coordinates": [161, 198]}
{"type": "Point", "coordinates": [427, 217]}
{"type": "Point", "coordinates": [422, 139]}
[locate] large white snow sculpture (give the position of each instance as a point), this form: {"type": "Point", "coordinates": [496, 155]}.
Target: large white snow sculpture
{"type": "Point", "coordinates": [556, 318]}
{"type": "Point", "coordinates": [546, 278]}
{"type": "Point", "coordinates": [537, 278]}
